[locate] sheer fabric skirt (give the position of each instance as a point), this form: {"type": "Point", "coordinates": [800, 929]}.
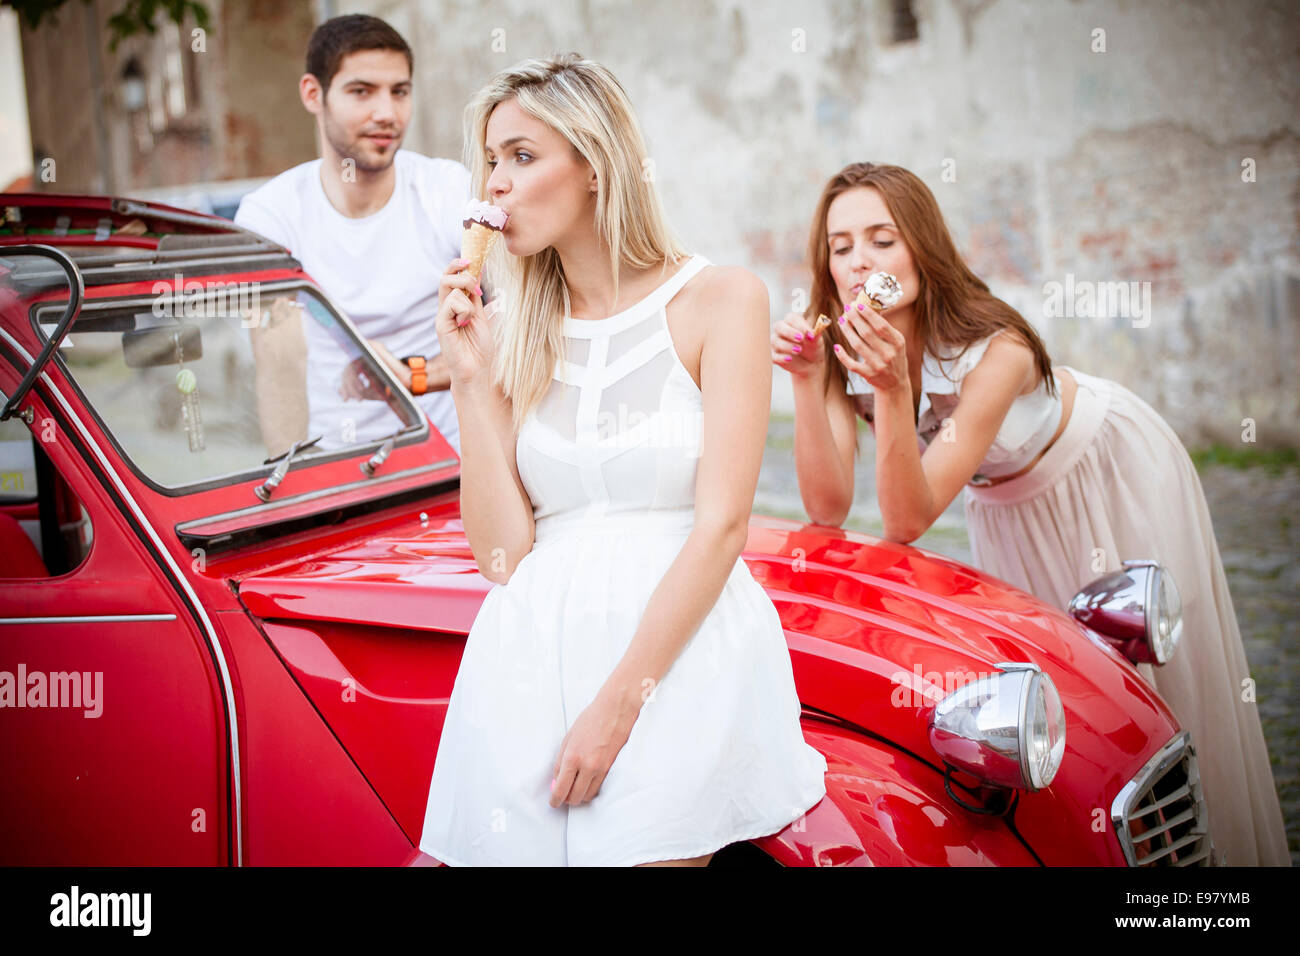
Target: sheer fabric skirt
{"type": "Point", "coordinates": [1118, 485]}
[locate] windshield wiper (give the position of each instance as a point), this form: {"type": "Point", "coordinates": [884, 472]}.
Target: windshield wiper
{"type": "Point", "coordinates": [371, 464]}
{"type": "Point", "coordinates": [267, 488]}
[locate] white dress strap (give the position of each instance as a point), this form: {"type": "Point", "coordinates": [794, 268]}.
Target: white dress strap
{"type": "Point", "coordinates": [650, 305]}
{"type": "Point", "coordinates": [661, 296]}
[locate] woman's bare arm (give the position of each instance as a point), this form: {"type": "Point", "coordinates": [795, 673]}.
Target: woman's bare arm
{"type": "Point", "coordinates": [736, 380]}
{"type": "Point", "coordinates": [825, 428]}
{"type": "Point", "coordinates": [494, 506]}
{"type": "Point", "coordinates": [914, 489]}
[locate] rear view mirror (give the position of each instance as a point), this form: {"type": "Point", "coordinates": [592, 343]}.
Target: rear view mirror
{"type": "Point", "coordinates": [165, 345]}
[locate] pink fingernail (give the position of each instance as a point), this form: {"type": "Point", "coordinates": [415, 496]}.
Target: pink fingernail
{"type": "Point", "coordinates": [798, 348]}
{"type": "Point", "coordinates": [841, 320]}
{"type": "Point", "coordinates": [837, 348]}
{"type": "Point", "coordinates": [861, 307]}
{"type": "Point", "coordinates": [786, 358]}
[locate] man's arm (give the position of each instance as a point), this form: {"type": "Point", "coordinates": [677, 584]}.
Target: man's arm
{"type": "Point", "coordinates": [280, 373]}
{"type": "Point", "coordinates": [439, 377]}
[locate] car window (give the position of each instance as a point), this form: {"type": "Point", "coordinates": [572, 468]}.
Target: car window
{"type": "Point", "coordinates": [17, 463]}
{"type": "Point", "coordinates": [45, 531]}
{"type": "Point", "coordinates": [202, 384]}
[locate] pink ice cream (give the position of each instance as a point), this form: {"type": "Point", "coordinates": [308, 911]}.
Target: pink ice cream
{"type": "Point", "coordinates": [485, 214]}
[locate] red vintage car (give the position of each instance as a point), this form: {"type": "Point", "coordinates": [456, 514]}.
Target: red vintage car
{"type": "Point", "coordinates": [227, 638]}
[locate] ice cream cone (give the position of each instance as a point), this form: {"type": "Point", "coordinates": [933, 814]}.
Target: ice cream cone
{"type": "Point", "coordinates": [483, 223]}
{"type": "Point", "coordinates": [475, 244]}
{"type": "Point", "coordinates": [880, 292]}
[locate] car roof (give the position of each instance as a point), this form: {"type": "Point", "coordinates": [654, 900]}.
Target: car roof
{"type": "Point", "coordinates": [102, 233]}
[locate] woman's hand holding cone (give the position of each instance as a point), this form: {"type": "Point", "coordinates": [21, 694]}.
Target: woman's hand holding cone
{"type": "Point", "coordinates": [464, 325]}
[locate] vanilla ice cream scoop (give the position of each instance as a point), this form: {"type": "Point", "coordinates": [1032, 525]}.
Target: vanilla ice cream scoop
{"type": "Point", "coordinates": [881, 291]}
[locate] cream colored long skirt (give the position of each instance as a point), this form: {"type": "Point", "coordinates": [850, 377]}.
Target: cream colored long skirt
{"type": "Point", "coordinates": [1117, 485]}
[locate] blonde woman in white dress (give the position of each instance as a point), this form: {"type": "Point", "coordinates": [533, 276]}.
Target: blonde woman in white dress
{"type": "Point", "coordinates": [1065, 474]}
{"type": "Point", "coordinates": [626, 694]}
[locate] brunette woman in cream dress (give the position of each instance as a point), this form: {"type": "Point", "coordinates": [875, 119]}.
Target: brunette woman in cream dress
{"type": "Point", "coordinates": [1064, 473]}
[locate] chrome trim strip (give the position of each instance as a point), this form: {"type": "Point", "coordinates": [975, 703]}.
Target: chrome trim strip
{"type": "Point", "coordinates": [88, 619]}
{"type": "Point", "coordinates": [232, 730]}
{"type": "Point", "coordinates": [282, 503]}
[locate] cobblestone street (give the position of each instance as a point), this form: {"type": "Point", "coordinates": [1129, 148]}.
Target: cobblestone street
{"type": "Point", "coordinates": [1256, 522]}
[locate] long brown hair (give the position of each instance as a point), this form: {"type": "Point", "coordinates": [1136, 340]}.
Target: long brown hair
{"type": "Point", "coordinates": [954, 307]}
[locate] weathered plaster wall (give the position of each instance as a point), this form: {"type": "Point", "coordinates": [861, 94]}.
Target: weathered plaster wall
{"type": "Point", "coordinates": [1071, 156]}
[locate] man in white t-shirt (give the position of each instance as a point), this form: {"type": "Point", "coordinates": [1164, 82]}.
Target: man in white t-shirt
{"type": "Point", "coordinates": [373, 224]}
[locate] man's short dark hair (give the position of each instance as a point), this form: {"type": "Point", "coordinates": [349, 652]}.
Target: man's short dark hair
{"type": "Point", "coordinates": [337, 37]}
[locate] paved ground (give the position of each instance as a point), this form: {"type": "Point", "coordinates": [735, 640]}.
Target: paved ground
{"type": "Point", "coordinates": [1256, 513]}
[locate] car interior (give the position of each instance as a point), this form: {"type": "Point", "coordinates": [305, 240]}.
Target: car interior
{"type": "Point", "coordinates": [44, 529]}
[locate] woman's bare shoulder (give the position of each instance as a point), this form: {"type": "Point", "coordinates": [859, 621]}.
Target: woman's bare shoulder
{"type": "Point", "coordinates": [728, 294]}
{"type": "Point", "coordinates": [1006, 358]}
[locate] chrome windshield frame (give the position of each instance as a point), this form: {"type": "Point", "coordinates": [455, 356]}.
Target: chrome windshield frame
{"type": "Point", "coordinates": [414, 433]}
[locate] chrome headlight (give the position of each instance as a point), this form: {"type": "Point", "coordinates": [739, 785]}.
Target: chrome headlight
{"type": "Point", "coordinates": [1007, 729]}
{"type": "Point", "coordinates": [1137, 609]}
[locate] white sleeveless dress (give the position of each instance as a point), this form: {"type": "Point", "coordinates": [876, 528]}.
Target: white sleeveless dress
{"type": "Point", "coordinates": [717, 754]}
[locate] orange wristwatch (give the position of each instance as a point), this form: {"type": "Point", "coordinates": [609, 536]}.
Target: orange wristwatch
{"type": "Point", "coordinates": [419, 374]}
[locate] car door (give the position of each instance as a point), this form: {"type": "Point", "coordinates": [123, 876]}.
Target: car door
{"type": "Point", "coordinates": [112, 720]}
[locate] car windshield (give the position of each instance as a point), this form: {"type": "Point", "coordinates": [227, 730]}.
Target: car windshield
{"type": "Point", "coordinates": [206, 383]}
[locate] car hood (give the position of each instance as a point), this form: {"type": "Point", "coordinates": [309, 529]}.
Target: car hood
{"type": "Point", "coordinates": [878, 633]}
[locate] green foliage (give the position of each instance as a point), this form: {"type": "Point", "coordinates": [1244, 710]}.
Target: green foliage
{"type": "Point", "coordinates": [1244, 456]}
{"type": "Point", "coordinates": [137, 16]}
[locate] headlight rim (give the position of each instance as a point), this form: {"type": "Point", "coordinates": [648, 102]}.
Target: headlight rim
{"type": "Point", "coordinates": [945, 724]}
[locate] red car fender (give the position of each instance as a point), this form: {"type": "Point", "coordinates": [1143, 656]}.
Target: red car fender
{"type": "Point", "coordinates": [884, 807]}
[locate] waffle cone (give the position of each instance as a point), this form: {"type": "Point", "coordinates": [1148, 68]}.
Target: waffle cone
{"type": "Point", "coordinates": [868, 301]}
{"type": "Point", "coordinates": [475, 244]}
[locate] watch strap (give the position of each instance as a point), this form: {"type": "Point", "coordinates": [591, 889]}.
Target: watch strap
{"type": "Point", "coordinates": [419, 373]}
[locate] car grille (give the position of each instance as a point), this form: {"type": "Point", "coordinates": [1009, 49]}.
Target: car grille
{"type": "Point", "coordinates": [1160, 814]}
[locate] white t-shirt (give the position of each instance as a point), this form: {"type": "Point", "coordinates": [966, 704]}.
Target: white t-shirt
{"type": "Point", "coordinates": [381, 270]}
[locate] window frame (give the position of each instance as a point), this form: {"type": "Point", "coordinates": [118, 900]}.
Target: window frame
{"type": "Point", "coordinates": [410, 435]}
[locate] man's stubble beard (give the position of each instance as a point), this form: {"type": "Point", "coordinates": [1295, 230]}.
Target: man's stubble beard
{"type": "Point", "coordinates": [346, 150]}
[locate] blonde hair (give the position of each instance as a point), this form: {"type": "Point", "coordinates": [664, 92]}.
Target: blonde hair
{"type": "Point", "coordinates": [584, 103]}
